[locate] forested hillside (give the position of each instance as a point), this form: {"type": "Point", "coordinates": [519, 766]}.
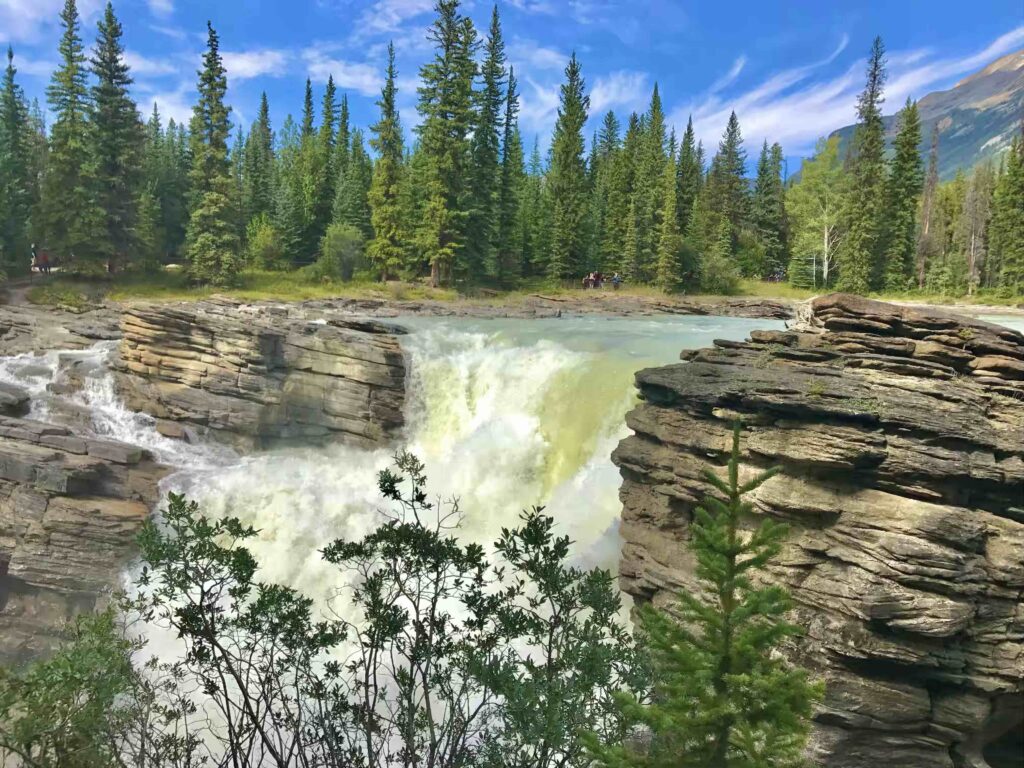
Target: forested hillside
{"type": "Point", "coordinates": [470, 200]}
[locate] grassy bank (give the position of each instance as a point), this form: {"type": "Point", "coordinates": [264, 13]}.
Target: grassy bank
{"type": "Point", "coordinates": [78, 294]}
{"type": "Point", "coordinates": [252, 286]}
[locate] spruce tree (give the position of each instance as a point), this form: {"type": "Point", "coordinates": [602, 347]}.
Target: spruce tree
{"type": "Point", "coordinates": [727, 184]}
{"type": "Point", "coordinates": [670, 241]}
{"type": "Point", "coordinates": [689, 174]}
{"type": "Point", "coordinates": [648, 191]}
{"type": "Point", "coordinates": [768, 211]}
{"type": "Point", "coordinates": [72, 221]}
{"type": "Point", "coordinates": [926, 240]}
{"type": "Point", "coordinates": [259, 164]}
{"type": "Point", "coordinates": [116, 142]}
{"type": "Point", "coordinates": [387, 249]}
{"type": "Point", "coordinates": [906, 180]}
{"type": "Point", "coordinates": [860, 257]}
{"type": "Point", "coordinates": [618, 191]}
{"type": "Point", "coordinates": [567, 177]}
{"type": "Point", "coordinates": [236, 157]}
{"type": "Point", "coordinates": [307, 111]}
{"type": "Point", "coordinates": [342, 142]}
{"type": "Point", "coordinates": [446, 108]}
{"type": "Point", "coordinates": [481, 254]}
{"type": "Point", "coordinates": [15, 175]}
{"type": "Point", "coordinates": [1008, 223]}
{"type": "Point", "coordinates": [211, 240]}
{"type": "Point", "coordinates": [352, 205]}
{"type": "Point", "coordinates": [510, 189]}
{"type": "Point", "coordinates": [535, 216]}
{"type": "Point", "coordinates": [631, 268]}
{"type": "Point", "coordinates": [325, 174]}
{"type": "Point", "coordinates": [723, 696]}
{"type": "Point", "coordinates": [148, 237]}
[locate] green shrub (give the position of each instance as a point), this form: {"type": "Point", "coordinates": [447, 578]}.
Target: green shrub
{"type": "Point", "coordinates": [265, 249]}
{"type": "Point", "coordinates": [342, 252]}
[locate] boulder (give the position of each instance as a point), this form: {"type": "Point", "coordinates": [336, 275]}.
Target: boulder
{"type": "Point", "coordinates": [900, 434]}
{"type": "Point", "coordinates": [258, 376]}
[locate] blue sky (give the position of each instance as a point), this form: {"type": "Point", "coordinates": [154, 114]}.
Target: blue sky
{"type": "Point", "coordinates": [791, 69]}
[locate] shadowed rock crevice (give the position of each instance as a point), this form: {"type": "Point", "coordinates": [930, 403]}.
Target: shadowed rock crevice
{"type": "Point", "coordinates": [901, 437]}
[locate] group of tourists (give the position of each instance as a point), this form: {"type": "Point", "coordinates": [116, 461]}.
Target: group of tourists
{"type": "Point", "coordinates": [598, 279]}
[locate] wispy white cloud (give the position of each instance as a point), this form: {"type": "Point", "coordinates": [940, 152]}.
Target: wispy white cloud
{"type": "Point", "coordinates": [26, 20]}
{"type": "Point", "coordinates": [147, 67]}
{"type": "Point", "coordinates": [538, 106]}
{"type": "Point", "coordinates": [533, 6]}
{"type": "Point", "coordinates": [34, 67]}
{"type": "Point", "coordinates": [796, 106]}
{"type": "Point", "coordinates": [362, 78]}
{"type": "Point", "coordinates": [175, 33]}
{"type": "Point", "coordinates": [729, 77]}
{"type": "Point", "coordinates": [174, 104]}
{"type": "Point", "coordinates": [161, 8]}
{"type": "Point", "coordinates": [389, 16]}
{"type": "Point", "coordinates": [245, 65]}
{"type": "Point", "coordinates": [623, 89]}
{"type": "Point", "coordinates": [530, 56]}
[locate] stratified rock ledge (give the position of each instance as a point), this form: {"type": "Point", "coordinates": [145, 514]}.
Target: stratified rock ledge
{"type": "Point", "coordinates": [71, 505]}
{"type": "Point", "coordinates": [256, 377]}
{"type": "Point", "coordinates": [901, 437]}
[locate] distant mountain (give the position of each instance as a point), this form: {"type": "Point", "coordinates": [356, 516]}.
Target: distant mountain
{"type": "Point", "coordinates": [977, 117]}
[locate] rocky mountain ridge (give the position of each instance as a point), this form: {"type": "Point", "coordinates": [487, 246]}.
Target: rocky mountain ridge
{"type": "Point", "coordinates": [976, 118]}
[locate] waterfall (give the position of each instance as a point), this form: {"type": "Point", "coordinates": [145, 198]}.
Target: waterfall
{"type": "Point", "coordinates": [506, 414]}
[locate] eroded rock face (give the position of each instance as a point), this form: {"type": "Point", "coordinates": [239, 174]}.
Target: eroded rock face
{"type": "Point", "coordinates": [70, 508]}
{"type": "Point", "coordinates": [901, 437]}
{"type": "Point", "coordinates": [259, 376]}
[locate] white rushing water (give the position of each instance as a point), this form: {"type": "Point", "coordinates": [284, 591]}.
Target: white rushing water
{"type": "Point", "coordinates": [506, 414]}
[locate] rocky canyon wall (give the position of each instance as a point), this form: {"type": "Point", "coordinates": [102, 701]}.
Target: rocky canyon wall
{"type": "Point", "coordinates": [256, 377]}
{"type": "Point", "coordinates": [900, 433]}
{"type": "Point", "coordinates": [70, 508]}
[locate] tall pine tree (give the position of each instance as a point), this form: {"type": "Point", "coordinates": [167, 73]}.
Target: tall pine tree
{"type": "Point", "coordinates": [72, 220]}
{"type": "Point", "coordinates": [15, 175]}
{"type": "Point", "coordinates": [211, 240]}
{"type": "Point", "coordinates": [352, 204]}
{"type": "Point", "coordinates": [510, 190]}
{"type": "Point", "coordinates": [567, 176]}
{"type": "Point", "coordinates": [259, 164]}
{"type": "Point", "coordinates": [485, 178]}
{"type": "Point", "coordinates": [387, 249]}
{"type": "Point", "coordinates": [860, 257]}
{"type": "Point", "coordinates": [670, 240]}
{"type": "Point", "coordinates": [689, 174]}
{"type": "Point", "coordinates": [768, 212]}
{"type": "Point", "coordinates": [906, 180]}
{"type": "Point", "coordinates": [1008, 220]}
{"type": "Point", "coordinates": [117, 142]}
{"type": "Point", "coordinates": [446, 106]}
{"type": "Point", "coordinates": [926, 239]}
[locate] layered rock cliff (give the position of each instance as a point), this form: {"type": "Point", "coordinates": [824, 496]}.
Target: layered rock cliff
{"type": "Point", "coordinates": [900, 433]}
{"type": "Point", "coordinates": [259, 376]}
{"type": "Point", "coordinates": [70, 507]}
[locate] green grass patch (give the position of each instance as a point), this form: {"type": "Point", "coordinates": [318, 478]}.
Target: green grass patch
{"type": "Point", "coordinates": [265, 286]}
{"type": "Point", "coordinates": [60, 294]}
